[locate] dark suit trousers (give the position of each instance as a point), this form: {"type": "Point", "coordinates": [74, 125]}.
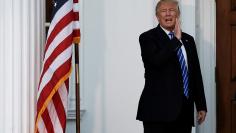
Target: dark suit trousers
{"type": "Point", "coordinates": [166, 128]}
{"type": "Point", "coordinates": [183, 124]}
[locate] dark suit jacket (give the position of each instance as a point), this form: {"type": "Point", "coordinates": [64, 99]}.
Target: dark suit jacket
{"type": "Point", "coordinates": [162, 96]}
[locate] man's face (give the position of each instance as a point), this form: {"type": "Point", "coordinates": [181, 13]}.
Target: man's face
{"type": "Point", "coordinates": [167, 14]}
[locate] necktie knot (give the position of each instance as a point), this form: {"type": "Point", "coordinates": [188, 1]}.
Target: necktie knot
{"type": "Point", "coordinates": [171, 35]}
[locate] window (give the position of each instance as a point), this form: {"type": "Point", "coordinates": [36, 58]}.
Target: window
{"type": "Point", "coordinates": [49, 6]}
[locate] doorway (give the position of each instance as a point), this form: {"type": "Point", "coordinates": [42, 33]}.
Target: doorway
{"type": "Point", "coordinates": [226, 65]}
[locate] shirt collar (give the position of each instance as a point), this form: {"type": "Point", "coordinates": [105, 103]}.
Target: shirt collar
{"type": "Point", "coordinates": [166, 31]}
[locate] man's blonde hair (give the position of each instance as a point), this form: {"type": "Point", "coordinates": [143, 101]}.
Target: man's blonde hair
{"type": "Point", "coordinates": [167, 1]}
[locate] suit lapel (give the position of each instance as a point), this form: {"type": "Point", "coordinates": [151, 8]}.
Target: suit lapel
{"type": "Point", "coordinates": [164, 39]}
{"type": "Point", "coordinates": [161, 36]}
{"type": "Point", "coordinates": [186, 42]}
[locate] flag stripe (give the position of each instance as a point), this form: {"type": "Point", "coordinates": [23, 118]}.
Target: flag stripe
{"type": "Point", "coordinates": [42, 109]}
{"type": "Point", "coordinates": [76, 7]}
{"type": "Point", "coordinates": [67, 86]}
{"type": "Point", "coordinates": [54, 117]}
{"type": "Point", "coordinates": [42, 128]}
{"type": "Point", "coordinates": [60, 37]}
{"type": "Point", "coordinates": [53, 86]}
{"type": "Point", "coordinates": [61, 47]}
{"type": "Point", "coordinates": [57, 51]}
{"type": "Point", "coordinates": [47, 122]}
{"type": "Point", "coordinates": [64, 25]}
{"type": "Point", "coordinates": [76, 25]}
{"type": "Point", "coordinates": [61, 72]}
{"type": "Point", "coordinates": [76, 1]}
{"type": "Point", "coordinates": [66, 8]}
{"type": "Point", "coordinates": [60, 108]}
{"type": "Point", "coordinates": [64, 56]}
{"type": "Point", "coordinates": [63, 95]}
{"type": "Point", "coordinates": [76, 32]}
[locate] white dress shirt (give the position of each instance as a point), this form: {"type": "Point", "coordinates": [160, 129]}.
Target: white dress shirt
{"type": "Point", "coordinates": [182, 47]}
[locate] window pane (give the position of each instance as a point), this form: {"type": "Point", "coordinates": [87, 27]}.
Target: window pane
{"type": "Point", "coordinates": [49, 5]}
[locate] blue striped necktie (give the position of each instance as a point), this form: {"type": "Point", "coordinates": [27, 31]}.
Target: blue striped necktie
{"type": "Point", "coordinates": [184, 68]}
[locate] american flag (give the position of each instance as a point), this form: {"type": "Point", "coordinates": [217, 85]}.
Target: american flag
{"type": "Point", "coordinates": [54, 81]}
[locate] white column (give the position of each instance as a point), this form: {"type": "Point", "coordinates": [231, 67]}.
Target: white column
{"type": "Point", "coordinates": [206, 43]}
{"type": "Point", "coordinates": [7, 67]}
{"type": "Point", "coordinates": [2, 90]}
{"type": "Point", "coordinates": [19, 58]}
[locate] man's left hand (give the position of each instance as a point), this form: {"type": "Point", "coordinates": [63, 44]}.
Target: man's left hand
{"type": "Point", "coordinates": [177, 29]}
{"type": "Point", "coordinates": [201, 115]}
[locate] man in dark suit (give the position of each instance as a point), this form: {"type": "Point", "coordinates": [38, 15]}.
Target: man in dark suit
{"type": "Point", "coordinates": [173, 81]}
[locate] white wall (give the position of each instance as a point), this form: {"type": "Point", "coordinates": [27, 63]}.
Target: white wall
{"type": "Point", "coordinates": [112, 65]}
{"type": "Point", "coordinates": [113, 70]}
{"type": "Point", "coordinates": [206, 43]}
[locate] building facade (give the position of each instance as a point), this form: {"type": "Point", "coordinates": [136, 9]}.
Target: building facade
{"type": "Point", "coordinates": [111, 69]}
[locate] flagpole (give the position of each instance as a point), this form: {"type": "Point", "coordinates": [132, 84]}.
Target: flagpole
{"type": "Point", "coordinates": [77, 89]}
{"type": "Point", "coordinates": [76, 41]}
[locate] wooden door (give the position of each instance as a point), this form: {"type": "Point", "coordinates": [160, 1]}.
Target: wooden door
{"type": "Point", "coordinates": [226, 65]}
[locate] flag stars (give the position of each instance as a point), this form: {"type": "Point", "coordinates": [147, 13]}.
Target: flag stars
{"type": "Point", "coordinates": [54, 3]}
